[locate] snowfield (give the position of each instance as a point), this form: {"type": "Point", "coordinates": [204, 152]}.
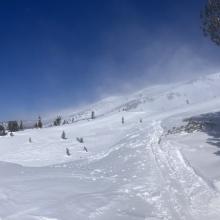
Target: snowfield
{"type": "Point", "coordinates": [131, 171]}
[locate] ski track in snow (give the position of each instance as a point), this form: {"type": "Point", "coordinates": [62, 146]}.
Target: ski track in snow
{"type": "Point", "coordinates": [150, 181]}
{"type": "Point", "coordinates": [170, 187]}
{"type": "Point", "coordinates": [159, 181]}
{"type": "Point", "coordinates": [131, 172]}
{"type": "Point", "coordinates": [186, 193]}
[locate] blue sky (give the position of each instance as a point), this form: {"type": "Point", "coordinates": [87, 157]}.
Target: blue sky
{"type": "Point", "coordinates": [55, 54]}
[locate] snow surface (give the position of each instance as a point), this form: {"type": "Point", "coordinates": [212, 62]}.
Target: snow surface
{"type": "Point", "coordinates": [131, 171]}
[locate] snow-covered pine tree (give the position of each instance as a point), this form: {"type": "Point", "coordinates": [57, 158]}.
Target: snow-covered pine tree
{"type": "Point", "coordinates": [80, 140]}
{"type": "Point", "coordinates": [68, 152]}
{"type": "Point", "coordinates": [2, 130]}
{"type": "Point", "coordinates": [210, 17]}
{"type": "Point", "coordinates": [63, 136]}
{"type": "Point", "coordinates": [39, 123]}
{"type": "Point", "coordinates": [92, 115]}
{"type": "Point", "coordinates": [13, 126]}
{"type": "Point", "coordinates": [122, 120]}
{"type": "Point", "coordinates": [35, 125]}
{"type": "Point", "coordinates": [21, 127]}
{"type": "Point", "coordinates": [57, 121]}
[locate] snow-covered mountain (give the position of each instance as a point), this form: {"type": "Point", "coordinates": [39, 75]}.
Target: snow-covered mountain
{"type": "Point", "coordinates": [132, 170]}
{"type": "Point", "coordinates": [158, 98]}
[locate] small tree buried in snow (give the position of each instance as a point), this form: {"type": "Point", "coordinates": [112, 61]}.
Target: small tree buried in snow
{"type": "Point", "coordinates": [57, 121]}
{"type": "Point", "coordinates": [13, 126]}
{"type": "Point", "coordinates": [122, 120]}
{"type": "Point", "coordinates": [39, 123]}
{"type": "Point", "coordinates": [63, 135]}
{"type": "Point", "coordinates": [65, 122]}
{"type": "Point", "coordinates": [2, 131]}
{"type": "Point", "coordinates": [68, 152]}
{"type": "Point", "coordinates": [92, 115]}
{"type": "Point", "coordinates": [21, 127]}
{"type": "Point", "coordinates": [80, 140]}
{"type": "Point", "coordinates": [11, 134]}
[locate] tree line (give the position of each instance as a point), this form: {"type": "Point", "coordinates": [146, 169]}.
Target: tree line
{"type": "Point", "coordinates": [14, 126]}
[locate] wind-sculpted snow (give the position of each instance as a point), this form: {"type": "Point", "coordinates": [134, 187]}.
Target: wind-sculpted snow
{"type": "Point", "coordinates": [131, 170]}
{"type": "Point", "coordinates": [159, 98]}
{"type": "Point", "coordinates": [151, 100]}
{"type": "Point", "coordinates": [182, 185]}
{"type": "Point", "coordinates": [141, 176]}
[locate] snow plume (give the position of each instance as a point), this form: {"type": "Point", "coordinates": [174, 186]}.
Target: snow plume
{"type": "Point", "coordinates": [154, 60]}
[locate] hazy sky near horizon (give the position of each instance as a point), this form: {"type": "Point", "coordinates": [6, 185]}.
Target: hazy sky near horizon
{"type": "Point", "coordinates": [55, 54]}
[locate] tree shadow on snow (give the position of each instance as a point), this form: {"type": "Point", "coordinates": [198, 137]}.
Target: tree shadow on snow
{"type": "Point", "coordinates": [211, 125]}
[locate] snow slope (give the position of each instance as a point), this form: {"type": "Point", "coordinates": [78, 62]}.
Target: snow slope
{"type": "Point", "coordinates": [131, 170]}
{"type": "Point", "coordinates": [159, 98]}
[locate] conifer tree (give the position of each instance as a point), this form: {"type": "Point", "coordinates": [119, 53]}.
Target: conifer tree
{"type": "Point", "coordinates": [63, 136]}
{"type": "Point", "coordinates": [68, 152]}
{"type": "Point", "coordinates": [122, 120]}
{"type": "Point", "coordinates": [80, 140]}
{"type": "Point", "coordinates": [210, 17]}
{"type": "Point", "coordinates": [92, 115]}
{"type": "Point", "coordinates": [57, 121]}
{"type": "Point", "coordinates": [2, 130]}
{"type": "Point", "coordinates": [39, 123]}
{"type": "Point", "coordinates": [21, 125]}
{"type": "Point", "coordinates": [13, 126]}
